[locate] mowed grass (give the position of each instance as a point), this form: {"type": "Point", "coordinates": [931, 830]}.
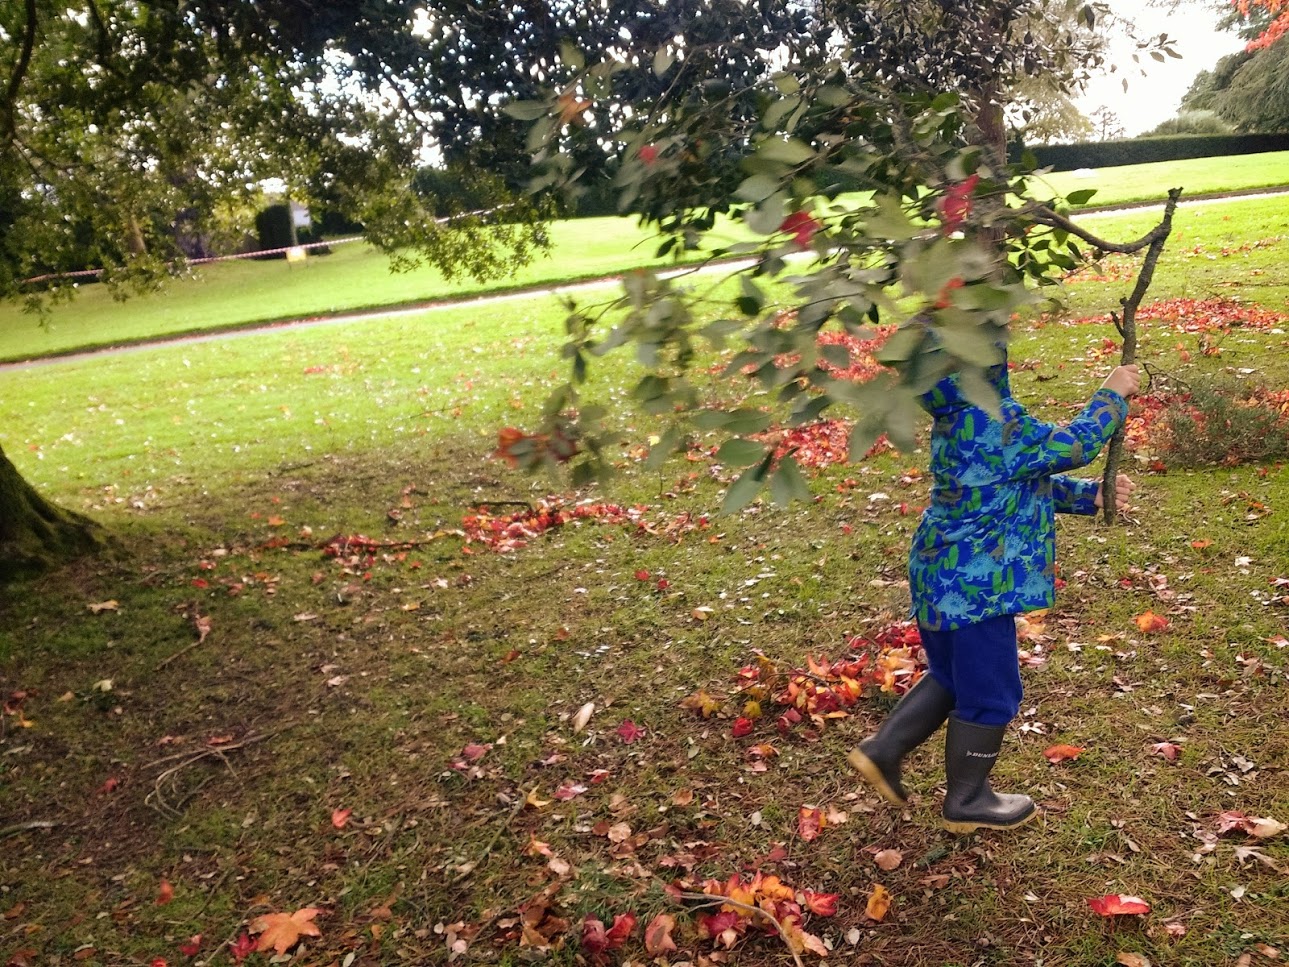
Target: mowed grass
{"type": "Point", "coordinates": [355, 276]}
{"type": "Point", "coordinates": [371, 681]}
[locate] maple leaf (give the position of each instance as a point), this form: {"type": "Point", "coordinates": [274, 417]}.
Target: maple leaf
{"type": "Point", "coordinates": [340, 817]}
{"type": "Point", "coordinates": [657, 935]}
{"type": "Point", "coordinates": [569, 791]}
{"type": "Point", "coordinates": [810, 822]}
{"type": "Point", "coordinates": [802, 226]}
{"type": "Point", "coordinates": [1059, 753]}
{"type": "Point", "coordinates": [629, 732]}
{"type": "Point", "coordinates": [822, 904]}
{"type": "Point", "coordinates": [1116, 904]}
{"type": "Point", "coordinates": [1166, 749]}
{"type": "Point", "coordinates": [879, 903]}
{"type": "Point", "coordinates": [282, 931]}
{"type": "Point", "coordinates": [533, 800]}
{"type": "Point", "coordinates": [624, 924]}
{"type": "Point", "coordinates": [702, 703]}
{"type": "Point", "coordinates": [642, 575]}
{"type": "Point", "coordinates": [192, 947]}
{"type": "Point", "coordinates": [242, 947]}
{"type": "Point", "coordinates": [742, 726]}
{"type": "Point", "coordinates": [1148, 621]}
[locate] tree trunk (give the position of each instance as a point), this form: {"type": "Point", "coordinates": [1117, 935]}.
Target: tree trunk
{"type": "Point", "coordinates": [35, 535]}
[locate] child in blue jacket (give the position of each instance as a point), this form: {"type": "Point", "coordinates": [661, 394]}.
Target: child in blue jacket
{"type": "Point", "coordinates": [984, 552]}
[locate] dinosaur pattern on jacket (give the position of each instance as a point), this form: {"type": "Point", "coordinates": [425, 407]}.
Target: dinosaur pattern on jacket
{"type": "Point", "coordinates": [985, 546]}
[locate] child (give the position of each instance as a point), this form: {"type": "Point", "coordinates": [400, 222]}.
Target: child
{"type": "Point", "coordinates": [984, 552]}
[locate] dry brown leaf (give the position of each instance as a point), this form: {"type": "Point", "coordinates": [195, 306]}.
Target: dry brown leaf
{"type": "Point", "coordinates": [583, 716]}
{"type": "Point", "coordinates": [282, 931]}
{"type": "Point", "coordinates": [888, 859]}
{"type": "Point", "coordinates": [879, 903]}
{"type": "Point", "coordinates": [103, 606]}
{"type": "Point", "coordinates": [682, 797]}
{"type": "Point", "coordinates": [1131, 960]}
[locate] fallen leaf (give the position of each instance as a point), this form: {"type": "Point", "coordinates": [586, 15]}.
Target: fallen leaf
{"type": "Point", "coordinates": [534, 801]}
{"type": "Point", "coordinates": [742, 726]}
{"type": "Point", "coordinates": [282, 931]}
{"type": "Point", "coordinates": [1131, 960]}
{"type": "Point", "coordinates": [879, 903]}
{"type": "Point", "coordinates": [642, 575]}
{"type": "Point", "coordinates": [536, 847]}
{"type": "Point", "coordinates": [192, 947]}
{"type": "Point", "coordinates": [888, 859]}
{"type": "Point", "coordinates": [657, 935]}
{"type": "Point", "coordinates": [202, 623]}
{"type": "Point", "coordinates": [822, 904]}
{"type": "Point", "coordinates": [1166, 749]}
{"type": "Point", "coordinates": [810, 822]}
{"type": "Point", "coordinates": [1059, 753]}
{"type": "Point", "coordinates": [1148, 621]}
{"type": "Point", "coordinates": [629, 732]}
{"type": "Point", "coordinates": [702, 703]}
{"type": "Point", "coordinates": [242, 947]}
{"type": "Point", "coordinates": [569, 790]}
{"type": "Point", "coordinates": [103, 606]}
{"type": "Point", "coordinates": [165, 893]}
{"type": "Point", "coordinates": [682, 797]}
{"type": "Point", "coordinates": [340, 817]}
{"type": "Point", "coordinates": [583, 716]}
{"type": "Point", "coordinates": [1116, 904]}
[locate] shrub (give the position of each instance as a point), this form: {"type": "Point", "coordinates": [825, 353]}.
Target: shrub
{"type": "Point", "coordinates": [1224, 422]}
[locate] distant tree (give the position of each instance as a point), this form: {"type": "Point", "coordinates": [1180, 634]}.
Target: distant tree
{"type": "Point", "coordinates": [1256, 98]}
{"type": "Point", "coordinates": [1041, 115]}
{"type": "Point", "coordinates": [1106, 124]}
{"type": "Point", "coordinates": [1192, 122]}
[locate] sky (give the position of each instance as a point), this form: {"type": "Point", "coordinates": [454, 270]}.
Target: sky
{"type": "Point", "coordinates": [1157, 96]}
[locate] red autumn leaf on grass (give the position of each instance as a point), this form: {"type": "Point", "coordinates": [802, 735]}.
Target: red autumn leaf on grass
{"type": "Point", "coordinates": [1116, 904]}
{"type": "Point", "coordinates": [473, 751]}
{"type": "Point", "coordinates": [802, 226]}
{"type": "Point", "coordinates": [1148, 621]}
{"type": "Point", "coordinates": [1059, 753]}
{"type": "Point", "coordinates": [1166, 749]}
{"type": "Point", "coordinates": [339, 817]}
{"type": "Point", "coordinates": [569, 791]}
{"type": "Point", "coordinates": [165, 893]}
{"type": "Point", "coordinates": [282, 931]}
{"type": "Point", "coordinates": [191, 948]}
{"type": "Point", "coordinates": [624, 924]}
{"type": "Point", "coordinates": [657, 935]}
{"type": "Point", "coordinates": [742, 726]}
{"type": "Point", "coordinates": [810, 822]}
{"type": "Point", "coordinates": [642, 575]}
{"type": "Point", "coordinates": [242, 947]}
{"type": "Point", "coordinates": [629, 732]}
{"type": "Point", "coordinates": [597, 941]}
{"type": "Point", "coordinates": [822, 904]}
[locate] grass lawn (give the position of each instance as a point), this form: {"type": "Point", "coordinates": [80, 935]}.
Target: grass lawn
{"type": "Point", "coordinates": [354, 276]}
{"type": "Point", "coordinates": [218, 720]}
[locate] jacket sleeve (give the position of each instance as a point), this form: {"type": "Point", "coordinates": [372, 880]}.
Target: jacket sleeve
{"type": "Point", "coordinates": [1033, 448]}
{"type": "Point", "coordinates": [1074, 495]}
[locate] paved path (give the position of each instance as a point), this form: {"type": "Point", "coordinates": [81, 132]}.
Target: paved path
{"type": "Point", "coordinates": [439, 305]}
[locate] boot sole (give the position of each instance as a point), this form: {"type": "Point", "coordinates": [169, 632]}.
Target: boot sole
{"type": "Point", "coordinates": [867, 768]}
{"type": "Point", "coordinates": [971, 825]}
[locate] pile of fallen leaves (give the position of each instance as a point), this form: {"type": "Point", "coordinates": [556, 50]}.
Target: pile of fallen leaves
{"type": "Point", "coordinates": [766, 903]}
{"type": "Point", "coordinates": [505, 533]}
{"type": "Point", "coordinates": [1216, 314]}
{"type": "Point", "coordinates": [890, 661]}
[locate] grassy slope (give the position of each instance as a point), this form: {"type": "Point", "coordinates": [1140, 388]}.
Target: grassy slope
{"type": "Point", "coordinates": [383, 669]}
{"type": "Point", "coordinates": [355, 276]}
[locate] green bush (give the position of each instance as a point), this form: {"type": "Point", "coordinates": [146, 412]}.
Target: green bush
{"type": "Point", "coordinates": [1108, 154]}
{"type": "Point", "coordinates": [1224, 422]}
{"type": "Point", "coordinates": [1192, 122]}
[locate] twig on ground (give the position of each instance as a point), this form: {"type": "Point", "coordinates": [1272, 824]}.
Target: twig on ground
{"type": "Point", "coordinates": [157, 798]}
{"type": "Point", "coordinates": [17, 828]}
{"type": "Point", "coordinates": [471, 867]}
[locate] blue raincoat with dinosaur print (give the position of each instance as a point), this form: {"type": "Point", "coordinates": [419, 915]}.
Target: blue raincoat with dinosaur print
{"type": "Point", "coordinates": [985, 546]}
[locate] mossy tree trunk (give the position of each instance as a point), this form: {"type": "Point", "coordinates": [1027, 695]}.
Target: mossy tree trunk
{"type": "Point", "coordinates": [36, 535]}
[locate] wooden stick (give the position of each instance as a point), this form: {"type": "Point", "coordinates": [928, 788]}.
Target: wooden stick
{"type": "Point", "coordinates": [23, 827]}
{"type": "Point", "coordinates": [1127, 325]}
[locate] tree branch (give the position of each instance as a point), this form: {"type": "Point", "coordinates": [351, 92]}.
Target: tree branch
{"type": "Point", "coordinates": [1045, 216]}
{"type": "Point", "coordinates": [19, 71]}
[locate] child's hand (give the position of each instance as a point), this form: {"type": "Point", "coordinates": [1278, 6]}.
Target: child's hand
{"type": "Point", "coordinates": [1123, 488]}
{"type": "Point", "coordinates": [1125, 380]}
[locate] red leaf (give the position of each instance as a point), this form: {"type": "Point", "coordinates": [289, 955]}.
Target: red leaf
{"type": "Point", "coordinates": [165, 893]}
{"type": "Point", "coordinates": [339, 817]}
{"type": "Point", "coordinates": [1059, 753]}
{"type": "Point", "coordinates": [474, 751]}
{"type": "Point", "coordinates": [1166, 749]}
{"type": "Point", "coordinates": [955, 206]}
{"type": "Point", "coordinates": [595, 941]}
{"type": "Point", "coordinates": [1116, 904]}
{"type": "Point", "coordinates": [649, 154]}
{"type": "Point", "coordinates": [822, 904]}
{"type": "Point", "coordinates": [569, 791]}
{"type": "Point", "coordinates": [628, 731]}
{"type": "Point", "coordinates": [809, 823]}
{"type": "Point", "coordinates": [242, 947]}
{"type": "Point", "coordinates": [193, 945]}
{"type": "Point", "coordinates": [642, 575]}
{"type": "Point", "coordinates": [1148, 621]}
{"type": "Point", "coordinates": [742, 726]}
{"type": "Point", "coordinates": [802, 226]}
{"type": "Point", "coordinates": [657, 935]}
{"type": "Point", "coordinates": [624, 924]}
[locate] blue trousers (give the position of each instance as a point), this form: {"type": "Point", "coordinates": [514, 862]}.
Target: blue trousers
{"type": "Point", "coordinates": [979, 666]}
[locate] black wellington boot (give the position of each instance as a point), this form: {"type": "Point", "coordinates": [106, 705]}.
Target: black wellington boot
{"type": "Point", "coordinates": [919, 713]}
{"type": "Point", "coordinates": [970, 752]}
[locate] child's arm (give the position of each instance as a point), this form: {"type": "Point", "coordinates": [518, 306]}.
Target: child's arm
{"type": "Point", "coordinates": [1077, 495]}
{"type": "Point", "coordinates": [1037, 449]}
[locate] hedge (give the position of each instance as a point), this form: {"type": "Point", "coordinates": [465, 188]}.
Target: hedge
{"type": "Point", "coordinates": [1108, 154]}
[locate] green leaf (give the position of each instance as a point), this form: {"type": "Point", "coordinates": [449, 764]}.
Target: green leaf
{"type": "Point", "coordinates": [1080, 197]}
{"type": "Point", "coordinates": [787, 484]}
{"type": "Point", "coordinates": [743, 490]}
{"type": "Point", "coordinates": [980, 392]}
{"type": "Point", "coordinates": [663, 60]}
{"type": "Point", "coordinates": [740, 453]}
{"type": "Point", "coordinates": [757, 188]}
{"type": "Point", "coordinates": [789, 151]}
{"type": "Point", "coordinates": [862, 437]}
{"type": "Point", "coordinates": [571, 56]}
{"type": "Point", "coordinates": [526, 110]}
{"type": "Point", "coordinates": [786, 83]}
{"type": "Point", "coordinates": [778, 110]}
{"type": "Point", "coordinates": [889, 221]}
{"type": "Point", "coordinates": [664, 448]}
